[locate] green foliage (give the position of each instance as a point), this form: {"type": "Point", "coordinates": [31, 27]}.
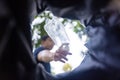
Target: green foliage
{"type": "Point", "coordinates": [46, 15]}
{"type": "Point", "coordinates": [64, 20]}
{"type": "Point", "coordinates": [40, 28]}
{"type": "Point", "coordinates": [78, 27]}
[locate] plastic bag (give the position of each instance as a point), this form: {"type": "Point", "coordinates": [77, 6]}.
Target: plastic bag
{"type": "Point", "coordinates": [56, 31]}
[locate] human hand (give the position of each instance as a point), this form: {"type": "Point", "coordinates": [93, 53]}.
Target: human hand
{"type": "Point", "coordinates": [61, 53]}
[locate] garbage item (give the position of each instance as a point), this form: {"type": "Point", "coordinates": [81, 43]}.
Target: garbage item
{"type": "Point", "coordinates": [67, 67]}
{"type": "Point", "coordinates": [56, 31]}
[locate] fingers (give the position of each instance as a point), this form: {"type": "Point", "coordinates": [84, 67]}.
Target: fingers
{"type": "Point", "coordinates": [63, 45]}
{"type": "Point", "coordinates": [62, 61]}
{"type": "Point", "coordinates": [60, 57]}
{"type": "Point", "coordinates": [69, 53]}
{"type": "Point", "coordinates": [62, 52]}
{"type": "Point", "coordinates": [64, 57]}
{"type": "Point", "coordinates": [65, 53]}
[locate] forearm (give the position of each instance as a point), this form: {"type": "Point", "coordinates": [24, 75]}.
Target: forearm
{"type": "Point", "coordinates": [45, 56]}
